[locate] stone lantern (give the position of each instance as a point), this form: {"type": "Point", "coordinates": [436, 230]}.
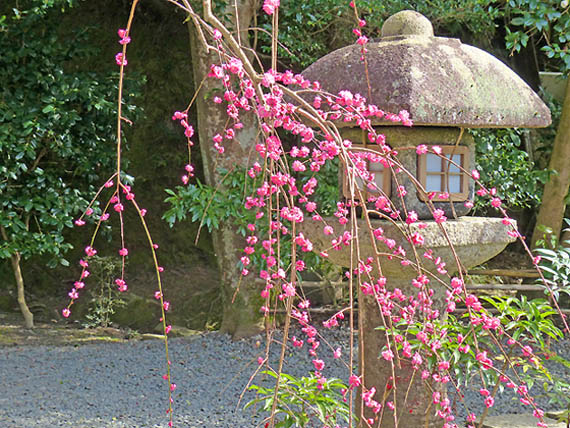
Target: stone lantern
{"type": "Point", "coordinates": [446, 86]}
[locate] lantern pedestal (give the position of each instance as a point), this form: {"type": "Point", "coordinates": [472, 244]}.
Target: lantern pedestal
{"type": "Point", "coordinates": [473, 240]}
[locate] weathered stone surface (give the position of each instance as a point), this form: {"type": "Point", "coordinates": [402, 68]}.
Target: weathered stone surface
{"type": "Point", "coordinates": [408, 387]}
{"type": "Point", "coordinates": [407, 23]}
{"type": "Point", "coordinates": [474, 239]}
{"type": "Point", "coordinates": [438, 80]}
{"type": "Point", "coordinates": [517, 421]}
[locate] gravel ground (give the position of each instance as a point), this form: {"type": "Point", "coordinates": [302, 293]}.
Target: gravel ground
{"type": "Point", "coordinates": [111, 385]}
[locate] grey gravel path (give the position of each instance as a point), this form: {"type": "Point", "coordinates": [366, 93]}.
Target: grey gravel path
{"type": "Point", "coordinates": [112, 385]}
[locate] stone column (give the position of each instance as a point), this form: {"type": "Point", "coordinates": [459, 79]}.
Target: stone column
{"type": "Point", "coordinates": [474, 240]}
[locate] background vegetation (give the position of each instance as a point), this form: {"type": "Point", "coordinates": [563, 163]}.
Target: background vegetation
{"type": "Point", "coordinates": [69, 70]}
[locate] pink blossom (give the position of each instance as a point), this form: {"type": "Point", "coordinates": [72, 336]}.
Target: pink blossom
{"type": "Point", "coordinates": [354, 381]}
{"type": "Point", "coordinates": [388, 355]}
{"type": "Point", "coordinates": [456, 283]}
{"type": "Point", "coordinates": [166, 305]}
{"type": "Point", "coordinates": [405, 118]}
{"type": "Point", "coordinates": [121, 284]}
{"type": "Point", "coordinates": [417, 360]}
{"type": "Point", "coordinates": [412, 217]}
{"type": "Point", "coordinates": [178, 115]}
{"type": "Point", "coordinates": [486, 362]}
{"type": "Point", "coordinates": [120, 59]}
{"type": "Point", "coordinates": [319, 364]}
{"type": "Point", "coordinates": [79, 222]}
{"type": "Point", "coordinates": [443, 365]}
{"type": "Point", "coordinates": [123, 252]}
{"type": "Point", "coordinates": [417, 239]}
{"type": "Point", "coordinates": [269, 6]}
{"type": "Point", "coordinates": [439, 216]}
{"type": "Point", "coordinates": [90, 251]}
{"type": "Point", "coordinates": [157, 295]}
{"type": "Point", "coordinates": [118, 207]}
{"type": "Point", "coordinates": [422, 149]}
{"type": "Point", "coordinates": [362, 40]}
{"type": "Point", "coordinates": [66, 313]}
{"type": "Point", "coordinates": [473, 302]}
{"type": "Point", "coordinates": [496, 202]}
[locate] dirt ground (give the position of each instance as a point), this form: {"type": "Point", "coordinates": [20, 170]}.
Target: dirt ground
{"type": "Point", "coordinates": [51, 329]}
{"type": "Point", "coordinates": [56, 333]}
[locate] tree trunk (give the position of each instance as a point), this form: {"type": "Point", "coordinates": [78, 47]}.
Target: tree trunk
{"type": "Point", "coordinates": [240, 295]}
{"type": "Point", "coordinates": [551, 212]}
{"type": "Point", "coordinates": [28, 316]}
{"type": "Point", "coordinates": [15, 259]}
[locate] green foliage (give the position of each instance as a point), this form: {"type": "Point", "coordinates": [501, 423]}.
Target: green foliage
{"type": "Point", "coordinates": [327, 192]}
{"type": "Point", "coordinates": [213, 206]}
{"type": "Point", "coordinates": [504, 164]}
{"type": "Point", "coordinates": [225, 204]}
{"type": "Point", "coordinates": [527, 321]}
{"type": "Point", "coordinates": [300, 401]}
{"type": "Point", "coordinates": [547, 20]}
{"type": "Point", "coordinates": [57, 134]}
{"type": "Point", "coordinates": [105, 296]}
{"type": "Point", "coordinates": [328, 24]}
{"type": "Point", "coordinates": [555, 263]}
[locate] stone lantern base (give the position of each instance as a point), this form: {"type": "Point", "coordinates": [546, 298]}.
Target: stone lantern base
{"type": "Point", "coordinates": [473, 239]}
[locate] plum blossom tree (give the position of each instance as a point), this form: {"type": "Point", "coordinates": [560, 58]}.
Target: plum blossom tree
{"type": "Point", "coordinates": [53, 138]}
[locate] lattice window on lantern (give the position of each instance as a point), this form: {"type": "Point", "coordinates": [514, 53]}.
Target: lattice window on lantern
{"type": "Point", "coordinates": [380, 184]}
{"type": "Point", "coordinates": [438, 175]}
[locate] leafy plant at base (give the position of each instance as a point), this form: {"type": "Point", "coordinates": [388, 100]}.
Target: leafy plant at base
{"type": "Point", "coordinates": [105, 297]}
{"type": "Point", "coordinates": [304, 400]}
{"type": "Point", "coordinates": [524, 321]}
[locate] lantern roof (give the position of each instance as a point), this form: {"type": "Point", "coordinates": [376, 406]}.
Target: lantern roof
{"type": "Point", "coordinates": [439, 81]}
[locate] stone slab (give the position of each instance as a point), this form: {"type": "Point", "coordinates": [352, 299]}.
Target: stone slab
{"type": "Point", "coordinates": [518, 421]}
{"type": "Point", "coordinates": [475, 240]}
